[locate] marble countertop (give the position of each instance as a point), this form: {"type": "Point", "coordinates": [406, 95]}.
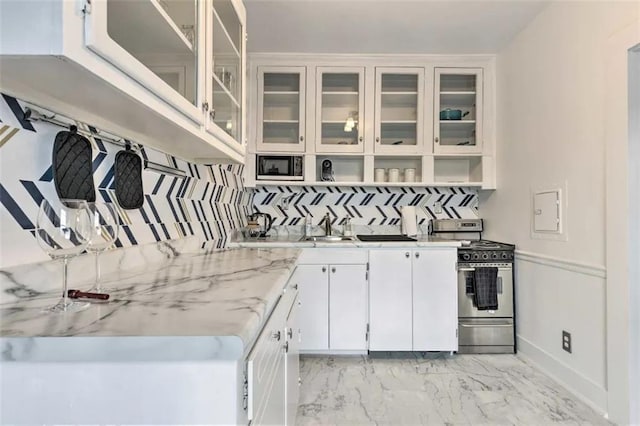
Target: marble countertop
{"type": "Point", "coordinates": [226, 295]}
{"type": "Point", "coordinates": [294, 240]}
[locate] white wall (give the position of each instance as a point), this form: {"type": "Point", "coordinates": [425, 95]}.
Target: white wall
{"type": "Point", "coordinates": [551, 130]}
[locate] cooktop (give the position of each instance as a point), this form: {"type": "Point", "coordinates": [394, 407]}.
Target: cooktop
{"type": "Point", "coordinates": [384, 238]}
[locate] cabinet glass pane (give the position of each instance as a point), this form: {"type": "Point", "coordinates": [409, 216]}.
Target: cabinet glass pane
{"type": "Point", "coordinates": [458, 109]}
{"type": "Point", "coordinates": [227, 111]}
{"type": "Point", "coordinates": [281, 108]}
{"type": "Point", "coordinates": [399, 109]}
{"type": "Point", "coordinates": [161, 34]}
{"type": "Point", "coordinates": [227, 66]}
{"type": "Point", "coordinates": [340, 109]}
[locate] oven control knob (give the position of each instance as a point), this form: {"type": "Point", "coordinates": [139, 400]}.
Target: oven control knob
{"type": "Point", "coordinates": [485, 256]}
{"type": "Point", "coordinates": [494, 255]}
{"type": "Point", "coordinates": [466, 256]}
{"type": "Point", "coordinates": [505, 255]}
{"type": "Point", "coordinates": [476, 256]}
{"type": "Point", "coordinates": [510, 255]}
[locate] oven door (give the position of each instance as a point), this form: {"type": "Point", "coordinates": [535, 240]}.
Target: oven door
{"type": "Point", "coordinates": [466, 308]}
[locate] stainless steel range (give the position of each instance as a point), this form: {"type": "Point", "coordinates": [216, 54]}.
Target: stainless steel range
{"type": "Point", "coordinates": [485, 288]}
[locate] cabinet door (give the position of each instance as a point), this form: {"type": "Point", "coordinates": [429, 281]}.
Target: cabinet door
{"type": "Point", "coordinates": [273, 410]}
{"type": "Point", "coordinates": [281, 107]}
{"type": "Point", "coordinates": [435, 300]}
{"type": "Point", "coordinates": [225, 70]}
{"type": "Point", "coordinates": [292, 366]}
{"type": "Point", "coordinates": [314, 306]}
{"type": "Point", "coordinates": [348, 307]}
{"type": "Point", "coordinates": [458, 111]}
{"type": "Point", "coordinates": [399, 110]}
{"type": "Point", "coordinates": [390, 300]}
{"type": "Point", "coordinates": [339, 109]}
{"type": "Point", "coordinates": [156, 43]}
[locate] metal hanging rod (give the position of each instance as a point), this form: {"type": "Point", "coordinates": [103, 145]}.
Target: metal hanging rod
{"type": "Point", "coordinates": [31, 114]}
{"type": "Point", "coordinates": [165, 170]}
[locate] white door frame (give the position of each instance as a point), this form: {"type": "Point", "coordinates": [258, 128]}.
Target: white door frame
{"type": "Point", "coordinates": [622, 161]}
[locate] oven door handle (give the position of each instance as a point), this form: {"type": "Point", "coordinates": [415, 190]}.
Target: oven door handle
{"type": "Point", "coordinates": [506, 324]}
{"type": "Point", "coordinates": [466, 269]}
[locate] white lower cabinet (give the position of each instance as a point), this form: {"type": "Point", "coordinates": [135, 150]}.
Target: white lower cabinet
{"type": "Point", "coordinates": [271, 366]}
{"type": "Point", "coordinates": [413, 300]}
{"type": "Point", "coordinates": [348, 307]}
{"type": "Point", "coordinates": [390, 298]}
{"type": "Point", "coordinates": [292, 364]}
{"type": "Point", "coordinates": [333, 302]}
{"type": "Point", "coordinates": [435, 300]}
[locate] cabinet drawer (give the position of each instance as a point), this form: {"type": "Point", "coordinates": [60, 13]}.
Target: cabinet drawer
{"type": "Point", "coordinates": [333, 256]}
{"type": "Point", "coordinates": [267, 351]}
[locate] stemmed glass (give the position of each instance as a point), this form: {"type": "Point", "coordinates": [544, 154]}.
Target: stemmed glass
{"type": "Point", "coordinates": [104, 232]}
{"type": "Point", "coordinates": [63, 231]}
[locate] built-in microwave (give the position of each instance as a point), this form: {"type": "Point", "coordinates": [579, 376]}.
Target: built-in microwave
{"type": "Point", "coordinates": [279, 167]}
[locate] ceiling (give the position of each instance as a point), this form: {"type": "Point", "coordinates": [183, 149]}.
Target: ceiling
{"type": "Point", "coordinates": [386, 26]}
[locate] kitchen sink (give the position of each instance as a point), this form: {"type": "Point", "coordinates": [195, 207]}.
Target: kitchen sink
{"type": "Point", "coordinates": [328, 239]}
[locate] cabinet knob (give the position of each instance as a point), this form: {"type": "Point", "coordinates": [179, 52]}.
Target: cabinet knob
{"type": "Point", "coordinates": [275, 335]}
{"type": "Point", "coordinates": [360, 139]}
{"type": "Point", "coordinates": [437, 139]}
{"type": "Point", "coordinates": [333, 270]}
{"type": "Point", "coordinates": [301, 138]}
{"type": "Point", "coordinates": [290, 333]}
{"type": "Point", "coordinates": [295, 286]}
{"type": "Point", "coordinates": [378, 139]}
{"type": "Point", "coordinates": [407, 254]}
{"type": "Point", "coordinates": [417, 255]}
{"type": "Point", "coordinates": [212, 114]}
{"type": "Point", "coordinates": [324, 269]}
{"type": "Point", "coordinates": [205, 106]}
{"type": "Point", "coordinates": [286, 347]}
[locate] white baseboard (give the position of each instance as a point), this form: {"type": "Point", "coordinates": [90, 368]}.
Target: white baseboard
{"type": "Point", "coordinates": [583, 388]}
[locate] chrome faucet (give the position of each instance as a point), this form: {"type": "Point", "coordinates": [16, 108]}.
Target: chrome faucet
{"type": "Point", "coordinates": [326, 221]}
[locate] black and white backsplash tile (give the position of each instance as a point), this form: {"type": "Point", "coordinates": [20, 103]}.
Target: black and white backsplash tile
{"type": "Point", "coordinates": [208, 204]}
{"type": "Point", "coordinates": [372, 207]}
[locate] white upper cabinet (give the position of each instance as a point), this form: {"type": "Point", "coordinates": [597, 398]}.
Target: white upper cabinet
{"type": "Point", "coordinates": [225, 70]}
{"type": "Point", "coordinates": [339, 109]}
{"type": "Point", "coordinates": [399, 110]}
{"type": "Point", "coordinates": [281, 109]}
{"type": "Point", "coordinates": [168, 74]}
{"type": "Point", "coordinates": [458, 111]}
{"type": "Point", "coordinates": [157, 43]}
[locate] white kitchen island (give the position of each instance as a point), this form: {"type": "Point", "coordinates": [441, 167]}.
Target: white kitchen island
{"type": "Point", "coordinates": [171, 347]}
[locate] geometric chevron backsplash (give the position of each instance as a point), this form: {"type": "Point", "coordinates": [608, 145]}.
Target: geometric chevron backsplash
{"type": "Point", "coordinates": [209, 203]}
{"type": "Point", "coordinates": [289, 205]}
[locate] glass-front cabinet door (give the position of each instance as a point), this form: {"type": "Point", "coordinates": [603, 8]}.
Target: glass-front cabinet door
{"type": "Point", "coordinates": [155, 42]}
{"type": "Point", "coordinates": [458, 111]}
{"type": "Point", "coordinates": [399, 110]}
{"type": "Point", "coordinates": [281, 109]}
{"type": "Point", "coordinates": [339, 109]}
{"type": "Point", "coordinates": [224, 105]}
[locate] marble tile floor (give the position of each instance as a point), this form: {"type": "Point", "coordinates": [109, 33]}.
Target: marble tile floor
{"type": "Point", "coordinates": [434, 389]}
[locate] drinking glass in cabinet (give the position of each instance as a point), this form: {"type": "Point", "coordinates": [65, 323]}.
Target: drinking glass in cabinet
{"type": "Point", "coordinates": [162, 36]}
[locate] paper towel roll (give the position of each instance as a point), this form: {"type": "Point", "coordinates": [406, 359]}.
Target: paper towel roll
{"type": "Point", "coordinates": [409, 221]}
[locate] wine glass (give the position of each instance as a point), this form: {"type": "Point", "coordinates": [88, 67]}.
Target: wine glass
{"type": "Point", "coordinates": [63, 231]}
{"type": "Point", "coordinates": [104, 232]}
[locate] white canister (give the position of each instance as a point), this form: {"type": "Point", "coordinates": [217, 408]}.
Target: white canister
{"type": "Point", "coordinates": [409, 175]}
{"type": "Point", "coordinates": [378, 175]}
{"type": "Point", "coordinates": [394, 175]}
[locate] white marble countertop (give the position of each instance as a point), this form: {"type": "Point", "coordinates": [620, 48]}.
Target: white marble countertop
{"type": "Point", "coordinates": [226, 295]}
{"type": "Point", "coordinates": [294, 240]}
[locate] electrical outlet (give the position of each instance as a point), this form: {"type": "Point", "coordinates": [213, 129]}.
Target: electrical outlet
{"type": "Point", "coordinates": [566, 341]}
{"type": "Point", "coordinates": [438, 207]}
